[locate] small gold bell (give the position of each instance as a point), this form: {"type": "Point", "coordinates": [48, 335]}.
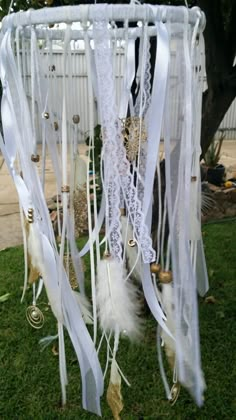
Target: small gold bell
{"type": "Point", "coordinates": [76, 119]}
{"type": "Point", "coordinates": [56, 126]}
{"type": "Point", "coordinates": [155, 268]}
{"type": "Point", "coordinates": [165, 276]}
{"type": "Point", "coordinates": [132, 243]}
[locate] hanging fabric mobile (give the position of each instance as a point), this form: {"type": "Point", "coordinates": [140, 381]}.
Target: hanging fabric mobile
{"type": "Point", "coordinates": [144, 86]}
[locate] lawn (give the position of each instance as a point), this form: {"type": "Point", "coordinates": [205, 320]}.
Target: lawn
{"type": "Point", "coordinates": [29, 378]}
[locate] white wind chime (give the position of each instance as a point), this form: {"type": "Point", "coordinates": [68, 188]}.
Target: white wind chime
{"type": "Point", "coordinates": [135, 114]}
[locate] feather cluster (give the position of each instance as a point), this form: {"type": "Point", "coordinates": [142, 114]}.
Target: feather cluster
{"type": "Point", "coordinates": [117, 299]}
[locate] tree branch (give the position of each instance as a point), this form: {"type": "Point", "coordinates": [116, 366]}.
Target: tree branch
{"type": "Point", "coordinates": [230, 79]}
{"type": "Point", "coordinates": [232, 31]}
{"type": "Point", "coordinates": [217, 62]}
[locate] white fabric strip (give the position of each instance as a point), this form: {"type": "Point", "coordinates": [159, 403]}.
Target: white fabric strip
{"type": "Point", "coordinates": [156, 111]}
{"type": "Point", "coordinates": [128, 78]}
{"type": "Point", "coordinates": [198, 62]}
{"type": "Point", "coordinates": [66, 311]}
{"type": "Point", "coordinates": [178, 200]}
{"type": "Point", "coordinates": [91, 156]}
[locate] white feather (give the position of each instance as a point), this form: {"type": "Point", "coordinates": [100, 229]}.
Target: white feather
{"type": "Point", "coordinates": [167, 302]}
{"type": "Point", "coordinates": [133, 261]}
{"type": "Point", "coordinates": [207, 202]}
{"type": "Point", "coordinates": [46, 341]}
{"type": "Point", "coordinates": [118, 306]}
{"type": "Point", "coordinates": [85, 307]}
{"type": "Point", "coordinates": [35, 248]}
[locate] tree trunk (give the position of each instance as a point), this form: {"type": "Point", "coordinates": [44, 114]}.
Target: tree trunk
{"type": "Point", "coordinates": [221, 74]}
{"type": "Point", "coordinates": [215, 105]}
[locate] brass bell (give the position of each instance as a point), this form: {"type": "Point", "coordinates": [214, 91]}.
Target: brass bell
{"type": "Point", "coordinates": [132, 243]}
{"type": "Point", "coordinates": [165, 276]}
{"type": "Point", "coordinates": [76, 119]}
{"type": "Point", "coordinates": [155, 268]}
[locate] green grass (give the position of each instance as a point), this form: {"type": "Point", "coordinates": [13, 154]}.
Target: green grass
{"type": "Point", "coordinates": [29, 379]}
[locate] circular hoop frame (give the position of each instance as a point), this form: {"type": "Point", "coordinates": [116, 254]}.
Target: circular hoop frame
{"type": "Point", "coordinates": [85, 13]}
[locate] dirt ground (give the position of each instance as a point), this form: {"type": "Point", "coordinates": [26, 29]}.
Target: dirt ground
{"type": "Point", "coordinates": [10, 228]}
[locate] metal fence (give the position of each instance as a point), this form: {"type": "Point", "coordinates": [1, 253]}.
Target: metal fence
{"type": "Point", "coordinates": [78, 100]}
{"type": "Point", "coordinates": [228, 125]}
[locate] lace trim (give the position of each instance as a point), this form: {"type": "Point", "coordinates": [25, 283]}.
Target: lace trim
{"type": "Point", "coordinates": [145, 92]}
{"type": "Point", "coordinates": [116, 165]}
{"type": "Point", "coordinates": [110, 144]}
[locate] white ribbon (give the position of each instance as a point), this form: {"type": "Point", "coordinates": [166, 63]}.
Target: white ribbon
{"type": "Point", "coordinates": [178, 155]}
{"type": "Point", "coordinates": [18, 130]}
{"type": "Point", "coordinates": [155, 115]}
{"type": "Point", "coordinates": [128, 77]}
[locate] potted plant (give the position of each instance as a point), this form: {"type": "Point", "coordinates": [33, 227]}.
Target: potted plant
{"type": "Point", "coordinates": [214, 171]}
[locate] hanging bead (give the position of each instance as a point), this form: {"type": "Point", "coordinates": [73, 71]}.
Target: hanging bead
{"type": "Point", "coordinates": [46, 115]}
{"type": "Point", "coordinates": [165, 276]}
{"type": "Point", "coordinates": [155, 268]}
{"type": "Point", "coordinates": [76, 119]}
{"type": "Point", "coordinates": [65, 189]}
{"type": "Point", "coordinates": [107, 254]}
{"type": "Point", "coordinates": [30, 215]}
{"type": "Point", "coordinates": [35, 158]}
